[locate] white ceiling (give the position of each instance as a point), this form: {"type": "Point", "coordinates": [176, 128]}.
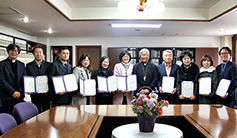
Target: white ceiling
{"type": "Point", "coordinates": [43, 16]}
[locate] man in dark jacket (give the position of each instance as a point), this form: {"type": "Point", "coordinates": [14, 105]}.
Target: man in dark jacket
{"type": "Point", "coordinates": [168, 69]}
{"type": "Point", "coordinates": [59, 68]}
{"type": "Point", "coordinates": [11, 79]}
{"type": "Point", "coordinates": [39, 67]}
{"type": "Point", "coordinates": [227, 70]}
{"type": "Point", "coordinates": [147, 73]}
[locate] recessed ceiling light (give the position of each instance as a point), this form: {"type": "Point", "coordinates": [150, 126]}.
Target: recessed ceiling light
{"type": "Point", "coordinates": [49, 31]}
{"type": "Point", "coordinates": [137, 25]}
{"type": "Point", "coordinates": [222, 30]}
{"type": "Point", "coordinates": [25, 19]}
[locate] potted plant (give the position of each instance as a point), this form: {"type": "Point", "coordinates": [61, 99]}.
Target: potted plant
{"type": "Point", "coordinates": [148, 108]}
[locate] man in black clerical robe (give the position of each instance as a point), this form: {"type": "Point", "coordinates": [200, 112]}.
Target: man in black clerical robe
{"type": "Point", "coordinates": [60, 68]}
{"type": "Point", "coordinates": [11, 79]}
{"type": "Point", "coordinates": [147, 73]}
{"type": "Point", "coordinates": [39, 67]}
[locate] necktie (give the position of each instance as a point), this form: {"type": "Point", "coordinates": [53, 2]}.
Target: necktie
{"type": "Point", "coordinates": [65, 65]}
{"type": "Point", "coordinates": [222, 67]}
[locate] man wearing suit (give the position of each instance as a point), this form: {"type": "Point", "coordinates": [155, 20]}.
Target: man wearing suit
{"type": "Point", "coordinates": [168, 69]}
{"type": "Point", "coordinates": [59, 68]}
{"type": "Point", "coordinates": [11, 79]}
{"type": "Point", "coordinates": [147, 73]}
{"type": "Point", "coordinates": [39, 67]}
{"type": "Point", "coordinates": [227, 70]}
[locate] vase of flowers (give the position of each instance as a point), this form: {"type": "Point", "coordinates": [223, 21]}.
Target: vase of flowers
{"type": "Point", "coordinates": [148, 108]}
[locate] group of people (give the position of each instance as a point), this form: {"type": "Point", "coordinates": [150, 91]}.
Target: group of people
{"type": "Point", "coordinates": [149, 78]}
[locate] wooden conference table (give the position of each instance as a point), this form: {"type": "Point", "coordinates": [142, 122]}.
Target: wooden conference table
{"type": "Point", "coordinates": [86, 120]}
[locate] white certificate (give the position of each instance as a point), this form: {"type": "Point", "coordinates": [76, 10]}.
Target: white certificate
{"type": "Point", "coordinates": [132, 82]}
{"type": "Point", "coordinates": [167, 84]}
{"type": "Point", "coordinates": [112, 83]}
{"type": "Point", "coordinates": [41, 84]}
{"type": "Point", "coordinates": [205, 85]}
{"type": "Point", "coordinates": [81, 82]}
{"type": "Point", "coordinates": [90, 87]}
{"type": "Point", "coordinates": [122, 83]}
{"type": "Point", "coordinates": [223, 87]}
{"type": "Point", "coordinates": [187, 88]}
{"type": "Point", "coordinates": [102, 84]}
{"type": "Point", "coordinates": [70, 82]}
{"type": "Point", "coordinates": [29, 84]}
{"type": "Point", "coordinates": [58, 84]}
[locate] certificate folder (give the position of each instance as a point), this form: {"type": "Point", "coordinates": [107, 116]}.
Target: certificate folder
{"type": "Point", "coordinates": [127, 83]}
{"type": "Point", "coordinates": [168, 84]}
{"type": "Point", "coordinates": [205, 85]}
{"type": "Point", "coordinates": [223, 87]}
{"type": "Point", "coordinates": [187, 88]}
{"type": "Point", "coordinates": [107, 84]}
{"type": "Point", "coordinates": [117, 83]}
{"type": "Point", "coordinates": [35, 84]}
{"type": "Point", "coordinates": [87, 87]}
{"type": "Point", "coordinates": [65, 83]}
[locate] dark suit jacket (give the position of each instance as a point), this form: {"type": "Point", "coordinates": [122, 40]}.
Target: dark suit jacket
{"type": "Point", "coordinates": [162, 73]}
{"type": "Point", "coordinates": [7, 79]}
{"type": "Point", "coordinates": [32, 70]}
{"type": "Point", "coordinates": [229, 73]}
{"type": "Point", "coordinates": [151, 76]}
{"type": "Point", "coordinates": [57, 69]}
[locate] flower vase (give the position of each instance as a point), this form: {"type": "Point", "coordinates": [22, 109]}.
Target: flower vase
{"type": "Point", "coordinates": [147, 123]}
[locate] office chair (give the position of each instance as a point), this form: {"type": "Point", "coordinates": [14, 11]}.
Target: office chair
{"type": "Point", "coordinates": [7, 122]}
{"type": "Point", "coordinates": [24, 111]}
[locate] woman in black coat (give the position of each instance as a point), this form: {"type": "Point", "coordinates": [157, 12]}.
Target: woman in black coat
{"type": "Point", "coordinates": [187, 72]}
{"type": "Point", "coordinates": [207, 70]}
{"type": "Point", "coordinates": [103, 70]}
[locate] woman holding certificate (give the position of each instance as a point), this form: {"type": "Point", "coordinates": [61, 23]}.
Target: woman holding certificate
{"type": "Point", "coordinates": [187, 79]}
{"type": "Point", "coordinates": [103, 96]}
{"type": "Point", "coordinates": [123, 69]}
{"type": "Point", "coordinates": [208, 80]}
{"type": "Point", "coordinates": [83, 71]}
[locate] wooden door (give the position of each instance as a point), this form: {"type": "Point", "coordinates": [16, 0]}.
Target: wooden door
{"type": "Point", "coordinates": [93, 51]}
{"type": "Point", "coordinates": [113, 54]}
{"type": "Point", "coordinates": [200, 52]}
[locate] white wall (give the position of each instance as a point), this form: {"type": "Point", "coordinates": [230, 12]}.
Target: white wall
{"type": "Point", "coordinates": [18, 34]}
{"type": "Point", "coordinates": [106, 42]}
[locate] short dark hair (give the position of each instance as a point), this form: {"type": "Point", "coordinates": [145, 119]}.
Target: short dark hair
{"type": "Point", "coordinates": [33, 51]}
{"type": "Point", "coordinates": [102, 59]}
{"type": "Point", "coordinates": [205, 57]}
{"type": "Point", "coordinates": [12, 47]}
{"type": "Point", "coordinates": [124, 52]}
{"type": "Point", "coordinates": [62, 48]}
{"type": "Point", "coordinates": [226, 48]}
{"type": "Point", "coordinates": [185, 53]}
{"type": "Point", "coordinates": [83, 56]}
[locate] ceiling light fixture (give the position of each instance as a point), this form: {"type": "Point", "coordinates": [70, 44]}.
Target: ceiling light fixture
{"type": "Point", "coordinates": [137, 25]}
{"type": "Point", "coordinates": [49, 31]}
{"type": "Point", "coordinates": [141, 5]}
{"type": "Point", "coordinates": [25, 19]}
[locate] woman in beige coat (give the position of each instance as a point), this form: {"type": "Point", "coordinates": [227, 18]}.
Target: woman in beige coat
{"type": "Point", "coordinates": [83, 71]}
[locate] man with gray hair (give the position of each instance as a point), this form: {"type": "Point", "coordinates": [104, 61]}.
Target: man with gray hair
{"type": "Point", "coordinates": [147, 73]}
{"type": "Point", "coordinates": [168, 69]}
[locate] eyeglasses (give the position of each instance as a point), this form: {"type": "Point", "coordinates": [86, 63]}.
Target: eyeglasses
{"type": "Point", "coordinates": [14, 51]}
{"type": "Point", "coordinates": [224, 53]}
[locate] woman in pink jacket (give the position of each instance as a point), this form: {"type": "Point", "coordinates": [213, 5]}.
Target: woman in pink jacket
{"type": "Point", "coordinates": [123, 69]}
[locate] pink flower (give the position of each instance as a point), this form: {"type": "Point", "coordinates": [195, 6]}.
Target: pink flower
{"type": "Point", "coordinates": [133, 101]}
{"type": "Point", "coordinates": [166, 103]}
{"type": "Point", "coordinates": [142, 96]}
{"type": "Point", "coordinates": [139, 109]}
{"type": "Point", "coordinates": [151, 104]}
